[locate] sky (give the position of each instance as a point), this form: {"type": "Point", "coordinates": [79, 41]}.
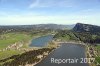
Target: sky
{"type": "Point", "coordinates": [28, 12]}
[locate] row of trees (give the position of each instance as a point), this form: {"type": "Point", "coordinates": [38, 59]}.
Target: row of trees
{"type": "Point", "coordinates": [25, 58]}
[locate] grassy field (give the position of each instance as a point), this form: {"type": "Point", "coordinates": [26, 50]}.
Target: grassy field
{"type": "Point", "coordinates": [98, 51]}
{"type": "Point", "coordinates": [11, 38]}
{"type": "Point", "coordinates": [9, 53]}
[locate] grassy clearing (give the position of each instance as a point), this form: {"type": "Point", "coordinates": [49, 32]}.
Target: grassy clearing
{"type": "Point", "coordinates": [98, 53]}
{"type": "Point", "coordinates": [97, 59]}
{"type": "Point", "coordinates": [98, 47]}
{"type": "Point", "coordinates": [11, 38]}
{"type": "Point", "coordinates": [9, 53]}
{"type": "Point", "coordinates": [98, 50]}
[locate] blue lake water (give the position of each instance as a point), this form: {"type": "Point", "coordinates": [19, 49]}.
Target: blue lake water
{"type": "Point", "coordinates": [66, 51]}
{"type": "Point", "coordinates": [41, 41]}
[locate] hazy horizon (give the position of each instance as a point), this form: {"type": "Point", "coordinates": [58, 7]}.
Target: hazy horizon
{"type": "Point", "coordinates": [30, 12]}
{"type": "Point", "coordinates": [44, 24]}
{"type": "Point", "coordinates": [40, 24]}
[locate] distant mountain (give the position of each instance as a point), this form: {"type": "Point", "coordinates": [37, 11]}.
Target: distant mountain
{"type": "Point", "coordinates": [79, 27]}
{"type": "Point", "coordinates": [10, 28]}
{"type": "Point", "coordinates": [54, 26]}
{"type": "Point", "coordinates": [70, 26]}
{"type": "Point", "coordinates": [38, 26]}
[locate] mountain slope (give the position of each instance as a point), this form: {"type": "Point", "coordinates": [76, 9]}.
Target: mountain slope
{"type": "Point", "coordinates": [81, 32]}
{"type": "Point", "coordinates": [79, 27]}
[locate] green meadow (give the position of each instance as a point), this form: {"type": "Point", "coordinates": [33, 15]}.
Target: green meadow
{"type": "Point", "coordinates": [11, 38]}
{"type": "Point", "coordinates": [9, 53]}
{"type": "Point", "coordinates": [98, 51]}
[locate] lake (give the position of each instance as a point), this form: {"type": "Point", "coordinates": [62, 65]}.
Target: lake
{"type": "Point", "coordinates": [41, 41]}
{"type": "Point", "coordinates": [66, 51]}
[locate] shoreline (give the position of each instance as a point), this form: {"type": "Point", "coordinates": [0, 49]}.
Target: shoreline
{"type": "Point", "coordinates": [34, 64]}
{"type": "Point", "coordinates": [60, 44]}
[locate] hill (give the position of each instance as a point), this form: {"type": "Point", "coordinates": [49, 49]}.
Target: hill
{"type": "Point", "coordinates": [79, 27]}
{"type": "Point", "coordinates": [81, 32]}
{"type": "Point", "coordinates": [29, 28]}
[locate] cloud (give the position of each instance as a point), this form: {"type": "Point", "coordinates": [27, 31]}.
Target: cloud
{"type": "Point", "coordinates": [62, 3]}
{"type": "Point", "coordinates": [51, 3]}
{"type": "Point", "coordinates": [35, 3]}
